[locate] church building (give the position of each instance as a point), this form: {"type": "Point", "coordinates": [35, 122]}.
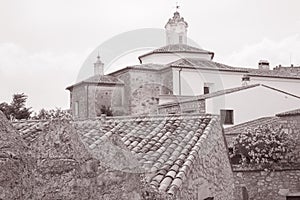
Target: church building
{"type": "Point", "coordinates": [173, 73]}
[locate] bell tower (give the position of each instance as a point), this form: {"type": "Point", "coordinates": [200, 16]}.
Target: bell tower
{"type": "Point", "coordinates": [98, 66]}
{"type": "Point", "coordinates": [176, 29]}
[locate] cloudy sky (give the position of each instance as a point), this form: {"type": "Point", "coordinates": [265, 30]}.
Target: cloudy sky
{"type": "Point", "coordinates": [44, 43]}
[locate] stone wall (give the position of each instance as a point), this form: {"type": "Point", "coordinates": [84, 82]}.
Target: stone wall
{"type": "Point", "coordinates": [211, 176]}
{"type": "Point", "coordinates": [197, 106]}
{"type": "Point", "coordinates": [15, 164]}
{"type": "Point", "coordinates": [92, 97]}
{"type": "Point", "coordinates": [79, 94]}
{"type": "Point", "coordinates": [292, 125]}
{"type": "Point", "coordinates": [110, 96]}
{"type": "Point", "coordinates": [142, 90]}
{"type": "Point", "coordinates": [125, 77]}
{"type": "Point", "coordinates": [256, 184]}
{"type": "Point", "coordinates": [262, 185]}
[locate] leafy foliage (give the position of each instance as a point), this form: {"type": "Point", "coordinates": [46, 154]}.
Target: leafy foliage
{"type": "Point", "coordinates": [106, 110]}
{"type": "Point", "coordinates": [264, 146]}
{"type": "Point", "coordinates": [52, 114]}
{"type": "Point", "coordinates": [16, 109]}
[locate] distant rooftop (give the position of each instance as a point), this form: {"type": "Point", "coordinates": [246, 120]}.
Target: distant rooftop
{"type": "Point", "coordinates": [178, 48]}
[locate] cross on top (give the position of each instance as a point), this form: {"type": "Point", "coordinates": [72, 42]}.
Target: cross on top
{"type": "Point", "coordinates": [177, 6]}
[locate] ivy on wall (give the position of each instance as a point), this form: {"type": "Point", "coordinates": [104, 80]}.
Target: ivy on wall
{"type": "Point", "coordinates": [265, 147]}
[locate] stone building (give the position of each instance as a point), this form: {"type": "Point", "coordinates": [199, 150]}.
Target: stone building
{"type": "Point", "coordinates": [100, 91]}
{"type": "Point", "coordinates": [283, 182]}
{"type": "Point", "coordinates": [167, 74]}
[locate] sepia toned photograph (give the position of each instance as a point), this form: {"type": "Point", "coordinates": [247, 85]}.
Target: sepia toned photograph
{"type": "Point", "coordinates": [149, 100]}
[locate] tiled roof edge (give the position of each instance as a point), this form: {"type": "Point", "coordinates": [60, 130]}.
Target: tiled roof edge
{"type": "Point", "coordinates": [280, 91]}
{"type": "Point", "coordinates": [211, 95]}
{"type": "Point", "coordinates": [289, 113]}
{"type": "Point", "coordinates": [233, 130]}
{"type": "Point", "coordinates": [94, 83]}
{"type": "Point", "coordinates": [199, 51]}
{"type": "Point", "coordinates": [211, 69]}
{"type": "Point", "coordinates": [273, 76]}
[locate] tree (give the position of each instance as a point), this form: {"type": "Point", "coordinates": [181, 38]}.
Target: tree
{"type": "Point", "coordinates": [264, 146]}
{"type": "Point", "coordinates": [52, 114]}
{"type": "Point", "coordinates": [16, 109]}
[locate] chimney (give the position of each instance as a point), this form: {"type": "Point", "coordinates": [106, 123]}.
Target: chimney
{"type": "Point", "coordinates": [264, 65]}
{"type": "Point", "coordinates": [245, 80]}
{"type": "Point", "coordinates": [98, 67]}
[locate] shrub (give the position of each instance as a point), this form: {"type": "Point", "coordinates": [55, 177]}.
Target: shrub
{"type": "Point", "coordinates": [264, 146]}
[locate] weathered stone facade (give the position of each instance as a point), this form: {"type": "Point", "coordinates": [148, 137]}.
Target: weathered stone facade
{"type": "Point", "coordinates": [142, 89]}
{"type": "Point", "coordinates": [15, 164]}
{"type": "Point", "coordinates": [257, 184]}
{"type": "Point", "coordinates": [212, 174]}
{"type": "Point", "coordinates": [197, 106]}
{"type": "Point", "coordinates": [91, 97]}
{"type": "Point", "coordinates": [291, 124]}
{"type": "Point", "coordinates": [261, 185]}
{"type": "Point", "coordinates": [79, 96]}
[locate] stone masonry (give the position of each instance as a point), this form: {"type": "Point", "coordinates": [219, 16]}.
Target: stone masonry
{"type": "Point", "coordinates": [257, 184]}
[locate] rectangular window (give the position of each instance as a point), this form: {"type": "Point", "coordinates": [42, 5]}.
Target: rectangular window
{"type": "Point", "coordinates": [76, 109]}
{"type": "Point", "coordinates": [180, 39]}
{"type": "Point", "coordinates": [226, 117]}
{"type": "Point", "coordinates": [206, 89]}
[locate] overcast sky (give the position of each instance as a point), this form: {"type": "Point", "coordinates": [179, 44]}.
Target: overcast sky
{"type": "Point", "coordinates": [43, 43]}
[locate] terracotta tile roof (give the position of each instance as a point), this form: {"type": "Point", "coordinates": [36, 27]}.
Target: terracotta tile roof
{"type": "Point", "coordinates": [30, 129]}
{"type": "Point", "coordinates": [165, 146]}
{"type": "Point", "coordinates": [283, 72]}
{"type": "Point", "coordinates": [237, 129]}
{"type": "Point", "coordinates": [289, 113]}
{"type": "Point", "coordinates": [99, 79]}
{"type": "Point", "coordinates": [198, 63]}
{"type": "Point", "coordinates": [178, 48]}
{"type": "Point", "coordinates": [273, 73]}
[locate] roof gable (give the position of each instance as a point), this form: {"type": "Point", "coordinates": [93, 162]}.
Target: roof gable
{"type": "Point", "coordinates": [99, 79]}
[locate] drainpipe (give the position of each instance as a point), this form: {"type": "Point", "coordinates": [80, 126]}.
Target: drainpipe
{"type": "Point", "coordinates": [87, 101]}
{"type": "Point", "coordinates": [179, 80]}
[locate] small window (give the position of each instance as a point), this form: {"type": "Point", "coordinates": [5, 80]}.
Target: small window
{"type": "Point", "coordinates": [206, 89]}
{"type": "Point", "coordinates": [226, 117]}
{"type": "Point", "coordinates": [76, 109]}
{"type": "Point", "coordinates": [180, 39]}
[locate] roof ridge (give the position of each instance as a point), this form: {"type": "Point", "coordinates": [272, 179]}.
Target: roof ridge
{"type": "Point", "coordinates": [218, 93]}
{"type": "Point", "coordinates": [180, 48]}
{"type": "Point", "coordinates": [278, 90]}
